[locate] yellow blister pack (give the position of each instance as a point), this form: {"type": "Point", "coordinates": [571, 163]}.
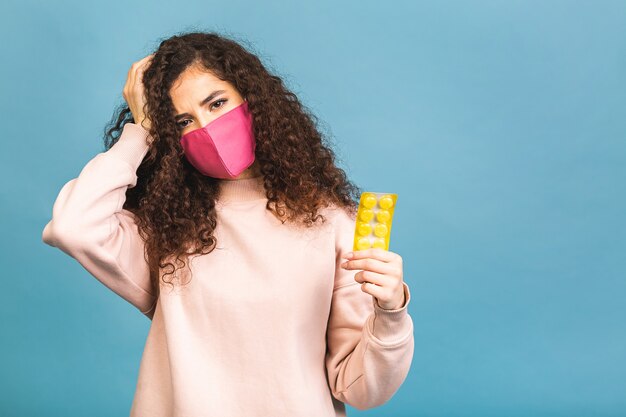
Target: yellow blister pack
{"type": "Point", "coordinates": [373, 220]}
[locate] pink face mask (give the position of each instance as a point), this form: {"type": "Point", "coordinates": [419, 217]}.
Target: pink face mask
{"type": "Point", "coordinates": [224, 148]}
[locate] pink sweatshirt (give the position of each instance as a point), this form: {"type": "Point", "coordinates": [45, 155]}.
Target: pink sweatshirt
{"type": "Point", "coordinates": [269, 325]}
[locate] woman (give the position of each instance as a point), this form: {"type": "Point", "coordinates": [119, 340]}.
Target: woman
{"type": "Point", "coordinates": [220, 214]}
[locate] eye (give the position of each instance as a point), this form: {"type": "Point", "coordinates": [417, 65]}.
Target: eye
{"type": "Point", "coordinates": [181, 124]}
{"type": "Point", "coordinates": [222, 100]}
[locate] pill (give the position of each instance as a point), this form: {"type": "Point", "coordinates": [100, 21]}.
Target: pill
{"type": "Point", "coordinates": [379, 243]}
{"type": "Point", "coordinates": [380, 230]}
{"type": "Point", "coordinates": [383, 216]}
{"type": "Point", "coordinates": [366, 215]}
{"type": "Point", "coordinates": [362, 244]}
{"type": "Point", "coordinates": [386, 202]}
{"type": "Point", "coordinates": [369, 200]}
{"type": "Point", "coordinates": [364, 229]}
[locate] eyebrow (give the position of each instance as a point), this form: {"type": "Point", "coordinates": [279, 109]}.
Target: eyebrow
{"type": "Point", "coordinates": [203, 102]}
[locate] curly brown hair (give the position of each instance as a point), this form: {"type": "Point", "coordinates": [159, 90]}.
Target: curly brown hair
{"type": "Point", "coordinates": [173, 203]}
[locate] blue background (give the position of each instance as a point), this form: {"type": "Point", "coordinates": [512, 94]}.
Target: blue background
{"type": "Point", "coordinates": [500, 124]}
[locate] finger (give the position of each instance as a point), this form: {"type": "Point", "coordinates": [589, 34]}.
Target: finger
{"type": "Point", "coordinates": [377, 253]}
{"type": "Point", "coordinates": [136, 66]}
{"type": "Point", "coordinates": [139, 77]}
{"type": "Point", "coordinates": [374, 290]}
{"type": "Point", "coordinates": [130, 81]}
{"type": "Point", "coordinates": [370, 264]}
{"type": "Point", "coordinates": [127, 84]}
{"type": "Point", "coordinates": [145, 61]}
{"type": "Point", "coordinates": [135, 69]}
{"type": "Point", "coordinates": [141, 69]}
{"type": "Point", "coordinates": [373, 277]}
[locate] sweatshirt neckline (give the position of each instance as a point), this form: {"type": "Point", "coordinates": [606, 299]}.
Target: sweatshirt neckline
{"type": "Point", "coordinates": [244, 189]}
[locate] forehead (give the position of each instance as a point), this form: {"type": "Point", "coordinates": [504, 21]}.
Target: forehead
{"type": "Point", "coordinates": [194, 84]}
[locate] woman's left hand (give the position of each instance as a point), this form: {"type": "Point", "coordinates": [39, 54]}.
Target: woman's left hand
{"type": "Point", "coordinates": [381, 275]}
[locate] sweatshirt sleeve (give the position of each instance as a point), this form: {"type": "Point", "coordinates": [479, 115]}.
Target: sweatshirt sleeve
{"type": "Point", "coordinates": [369, 349]}
{"type": "Point", "coordinates": [89, 224]}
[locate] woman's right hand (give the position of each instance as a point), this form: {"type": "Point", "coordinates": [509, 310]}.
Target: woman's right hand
{"type": "Point", "coordinates": [134, 91]}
